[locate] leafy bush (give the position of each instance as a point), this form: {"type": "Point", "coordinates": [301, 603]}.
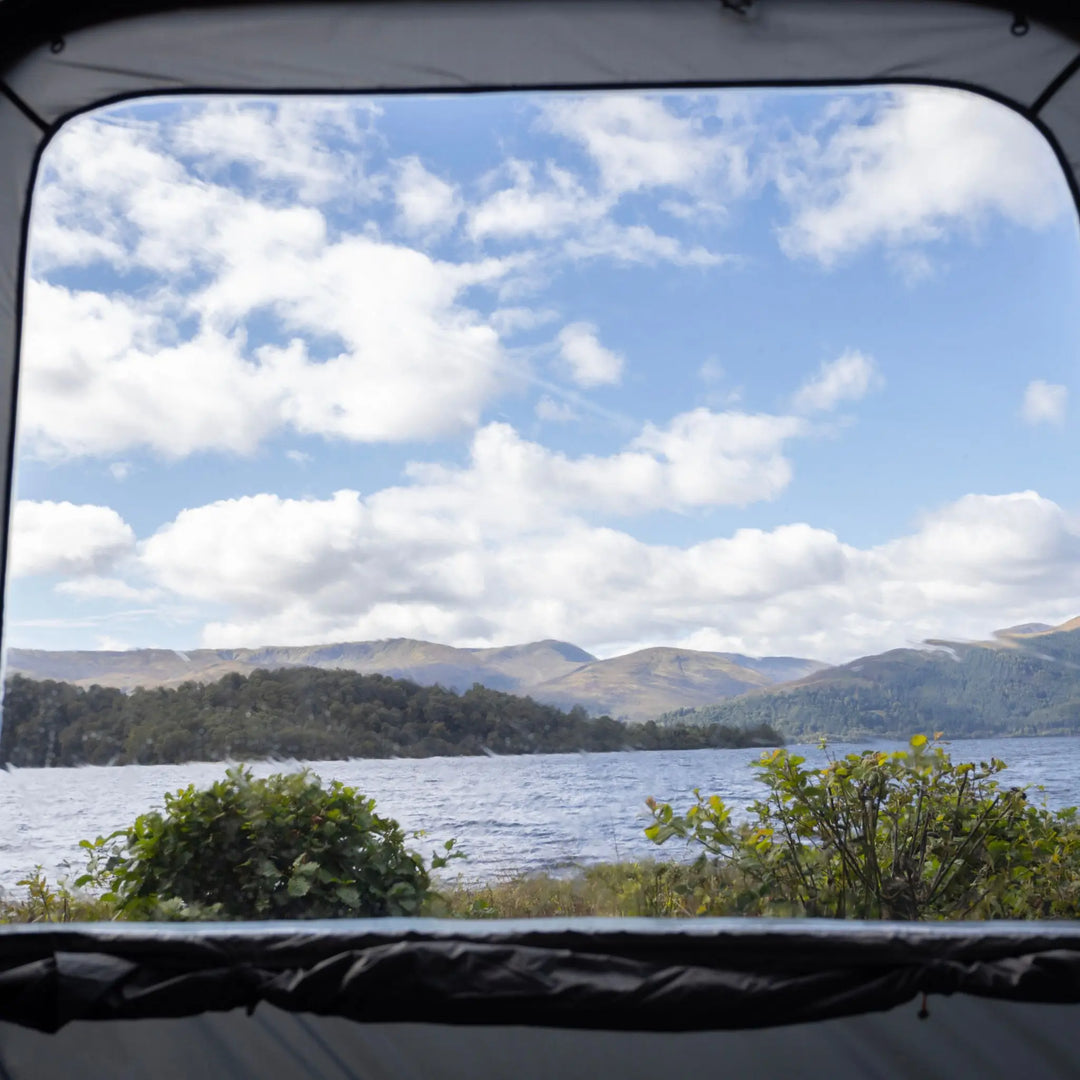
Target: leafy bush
{"type": "Point", "coordinates": [284, 847]}
{"type": "Point", "coordinates": [47, 903]}
{"type": "Point", "coordinates": [903, 835]}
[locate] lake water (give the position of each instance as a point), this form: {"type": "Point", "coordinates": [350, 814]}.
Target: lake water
{"type": "Point", "coordinates": [508, 813]}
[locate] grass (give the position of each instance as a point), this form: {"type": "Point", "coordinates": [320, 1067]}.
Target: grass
{"type": "Point", "coordinates": [647, 889]}
{"type": "Point", "coordinates": [650, 889]}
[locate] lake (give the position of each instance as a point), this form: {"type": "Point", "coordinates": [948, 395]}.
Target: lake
{"type": "Point", "coordinates": [541, 812]}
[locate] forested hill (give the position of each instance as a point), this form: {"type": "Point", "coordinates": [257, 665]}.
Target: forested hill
{"type": "Point", "coordinates": [1021, 684]}
{"type": "Point", "coordinates": [633, 687]}
{"type": "Point", "coordinates": [309, 714]}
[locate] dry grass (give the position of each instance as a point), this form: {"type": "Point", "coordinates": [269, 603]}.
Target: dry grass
{"type": "Point", "coordinates": [641, 889]}
{"type": "Point", "coordinates": [637, 889]}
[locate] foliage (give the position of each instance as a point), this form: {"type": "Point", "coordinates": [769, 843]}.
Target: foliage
{"type": "Point", "coordinates": [902, 835]}
{"type": "Point", "coordinates": [46, 903]}
{"type": "Point", "coordinates": [310, 714]}
{"type": "Point", "coordinates": [967, 689]}
{"type": "Point", "coordinates": [247, 848]}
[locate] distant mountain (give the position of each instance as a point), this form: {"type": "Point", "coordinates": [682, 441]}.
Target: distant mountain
{"type": "Point", "coordinates": [641, 685]}
{"type": "Point", "coordinates": [634, 687]}
{"type": "Point", "coordinates": [1025, 682]}
{"type": "Point", "coordinates": [1024, 630]}
{"type": "Point", "coordinates": [507, 668]}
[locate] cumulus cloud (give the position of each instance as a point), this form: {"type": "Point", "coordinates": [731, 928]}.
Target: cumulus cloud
{"type": "Point", "coordinates": [847, 378]}
{"type": "Point", "coordinates": [306, 147]}
{"type": "Point", "coordinates": [66, 538]}
{"type": "Point", "coordinates": [426, 203]}
{"type": "Point", "coordinates": [376, 341]}
{"type": "Point", "coordinates": [1044, 403]}
{"type": "Point", "coordinates": [588, 362]}
{"type": "Point", "coordinates": [636, 143]}
{"type": "Point", "coordinates": [446, 565]}
{"type": "Point", "coordinates": [536, 207]}
{"type": "Point", "coordinates": [552, 203]}
{"type": "Point", "coordinates": [923, 162]}
{"type": "Point", "coordinates": [700, 458]}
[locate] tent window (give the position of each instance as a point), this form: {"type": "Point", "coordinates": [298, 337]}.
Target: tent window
{"type": "Point", "coordinates": [514, 458]}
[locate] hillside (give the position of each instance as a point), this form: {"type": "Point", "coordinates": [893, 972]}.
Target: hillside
{"type": "Point", "coordinates": [1026, 681]}
{"type": "Point", "coordinates": [310, 714]}
{"type": "Point", "coordinates": [643, 684]}
{"type": "Point", "coordinates": [634, 687]}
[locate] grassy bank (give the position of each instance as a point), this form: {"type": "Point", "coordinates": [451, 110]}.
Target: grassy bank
{"type": "Point", "coordinates": [650, 889]}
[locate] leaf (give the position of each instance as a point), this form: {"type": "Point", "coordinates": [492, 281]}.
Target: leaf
{"type": "Point", "coordinates": [299, 886]}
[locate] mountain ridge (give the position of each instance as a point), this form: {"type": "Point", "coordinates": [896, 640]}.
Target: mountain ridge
{"type": "Point", "coordinates": [1024, 681]}
{"type": "Point", "coordinates": [636, 686]}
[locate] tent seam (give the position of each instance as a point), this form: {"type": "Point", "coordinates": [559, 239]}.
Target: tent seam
{"type": "Point", "coordinates": [1055, 84]}
{"type": "Point", "coordinates": [41, 124]}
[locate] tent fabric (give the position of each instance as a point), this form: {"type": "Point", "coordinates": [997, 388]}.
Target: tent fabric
{"type": "Point", "coordinates": [58, 60]}
{"type": "Point", "coordinates": [636, 975]}
{"type": "Point", "coordinates": [962, 1037]}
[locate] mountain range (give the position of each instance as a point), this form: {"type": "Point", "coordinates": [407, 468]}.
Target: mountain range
{"type": "Point", "coordinates": [1026, 681]}
{"type": "Point", "coordinates": [637, 686]}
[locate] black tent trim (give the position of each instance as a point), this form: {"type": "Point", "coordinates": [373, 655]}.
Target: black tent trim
{"type": "Point", "coordinates": [588, 974]}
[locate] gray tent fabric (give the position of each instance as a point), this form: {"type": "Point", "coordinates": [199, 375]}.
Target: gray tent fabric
{"type": "Point", "coordinates": [962, 1037]}
{"type": "Point", "coordinates": [58, 60]}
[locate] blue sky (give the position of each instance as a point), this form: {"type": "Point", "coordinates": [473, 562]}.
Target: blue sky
{"type": "Point", "coordinates": [775, 373]}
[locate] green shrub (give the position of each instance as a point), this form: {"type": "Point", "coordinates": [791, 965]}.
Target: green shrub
{"type": "Point", "coordinates": [902, 835]}
{"type": "Point", "coordinates": [47, 903]}
{"type": "Point", "coordinates": [284, 847]}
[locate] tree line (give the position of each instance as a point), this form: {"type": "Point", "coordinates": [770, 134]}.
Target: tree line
{"type": "Point", "coordinates": [965, 691]}
{"type": "Point", "coordinates": [316, 715]}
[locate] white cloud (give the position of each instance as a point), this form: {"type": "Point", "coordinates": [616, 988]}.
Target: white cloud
{"type": "Point", "coordinates": [631, 244]}
{"type": "Point", "coordinates": [120, 470]}
{"type": "Point", "coordinates": [510, 320]}
{"type": "Point", "coordinates": [293, 142]}
{"type": "Point", "coordinates": [558, 207]}
{"type": "Point", "coordinates": [426, 203]}
{"type": "Point", "coordinates": [588, 362]}
{"type": "Point", "coordinates": [698, 459]}
{"type": "Point", "coordinates": [96, 380]}
{"type": "Point", "coordinates": [847, 378]}
{"type": "Point", "coordinates": [65, 538]}
{"type": "Point", "coordinates": [535, 208]}
{"type": "Point", "coordinates": [105, 588]}
{"type": "Point", "coordinates": [1044, 403]}
{"type": "Point", "coordinates": [554, 412]}
{"type": "Point", "coordinates": [382, 346]}
{"type": "Point", "coordinates": [455, 565]}
{"type": "Point", "coordinates": [926, 161]}
{"type": "Point", "coordinates": [638, 143]}
{"type": "Point", "coordinates": [107, 643]}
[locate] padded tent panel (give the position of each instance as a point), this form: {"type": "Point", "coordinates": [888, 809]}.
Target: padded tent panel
{"type": "Point", "coordinates": [847, 991]}
{"type": "Point", "coordinates": [962, 1037]}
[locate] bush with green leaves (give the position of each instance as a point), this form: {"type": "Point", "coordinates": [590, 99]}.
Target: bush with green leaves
{"type": "Point", "coordinates": [877, 835]}
{"type": "Point", "coordinates": [282, 847]}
